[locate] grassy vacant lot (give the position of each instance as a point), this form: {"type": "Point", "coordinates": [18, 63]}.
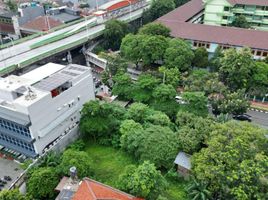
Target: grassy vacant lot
{"type": "Point", "coordinates": [109, 163]}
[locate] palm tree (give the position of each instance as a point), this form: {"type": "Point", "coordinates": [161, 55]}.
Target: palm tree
{"type": "Point", "coordinates": [198, 191]}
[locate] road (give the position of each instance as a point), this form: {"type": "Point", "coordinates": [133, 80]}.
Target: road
{"type": "Point", "coordinates": [22, 52]}
{"type": "Point", "coordinates": [259, 118]}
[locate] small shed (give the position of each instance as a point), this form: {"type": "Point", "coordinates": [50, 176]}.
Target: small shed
{"type": "Point", "coordinates": [183, 162]}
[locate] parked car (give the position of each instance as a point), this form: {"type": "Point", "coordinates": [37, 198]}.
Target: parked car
{"type": "Point", "coordinates": [7, 178]}
{"type": "Point", "coordinates": [243, 117]}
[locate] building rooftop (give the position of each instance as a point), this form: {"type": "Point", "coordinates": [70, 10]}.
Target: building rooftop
{"type": "Point", "coordinates": [65, 17]}
{"type": "Point", "coordinates": [115, 4]}
{"type": "Point", "coordinates": [92, 190]}
{"type": "Point", "coordinates": [19, 92]}
{"type": "Point", "coordinates": [177, 21]}
{"type": "Point", "coordinates": [42, 23]}
{"type": "Point", "coordinates": [183, 159]}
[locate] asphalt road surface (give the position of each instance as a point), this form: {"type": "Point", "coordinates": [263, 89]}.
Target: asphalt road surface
{"type": "Point", "coordinates": [259, 118]}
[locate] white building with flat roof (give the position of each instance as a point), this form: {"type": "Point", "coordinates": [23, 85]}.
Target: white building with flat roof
{"type": "Point", "coordinates": [40, 106]}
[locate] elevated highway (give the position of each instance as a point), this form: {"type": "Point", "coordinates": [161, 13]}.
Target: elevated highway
{"type": "Point", "coordinates": [27, 53]}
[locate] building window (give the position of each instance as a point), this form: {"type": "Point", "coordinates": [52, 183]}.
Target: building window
{"type": "Point", "coordinates": [226, 8]}
{"type": "Point", "coordinates": [258, 53]}
{"type": "Point", "coordinates": [264, 54]}
{"type": "Point", "coordinates": [225, 17]}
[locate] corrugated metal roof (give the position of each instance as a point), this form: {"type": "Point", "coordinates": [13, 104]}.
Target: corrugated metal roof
{"type": "Point", "coordinates": [183, 160]}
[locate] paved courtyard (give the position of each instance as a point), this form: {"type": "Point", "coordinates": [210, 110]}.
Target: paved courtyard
{"type": "Point", "coordinates": [9, 168]}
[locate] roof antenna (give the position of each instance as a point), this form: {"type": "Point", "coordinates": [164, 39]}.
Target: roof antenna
{"type": "Point", "coordinates": [30, 95]}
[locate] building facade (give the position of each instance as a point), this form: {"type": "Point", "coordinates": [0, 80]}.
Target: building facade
{"type": "Point", "coordinates": [223, 12]}
{"type": "Point", "coordinates": [40, 106]}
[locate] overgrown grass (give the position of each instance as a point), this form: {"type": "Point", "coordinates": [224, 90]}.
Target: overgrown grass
{"type": "Point", "coordinates": [109, 163]}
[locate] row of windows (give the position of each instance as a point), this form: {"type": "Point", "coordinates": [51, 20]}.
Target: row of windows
{"type": "Point", "coordinates": [7, 21]}
{"type": "Point", "coordinates": [17, 142]}
{"type": "Point", "coordinates": [259, 53]}
{"type": "Point", "coordinates": [15, 127]}
{"type": "Point", "coordinates": [201, 44]}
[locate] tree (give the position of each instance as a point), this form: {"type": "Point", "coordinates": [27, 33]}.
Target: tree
{"type": "Point", "coordinates": [240, 22]}
{"type": "Point", "coordinates": [180, 2]}
{"type": "Point", "coordinates": [13, 194]}
{"type": "Point", "coordinates": [196, 102]}
{"type": "Point", "coordinates": [235, 163]}
{"type": "Point", "coordinates": [178, 55]}
{"type": "Point", "coordinates": [202, 80]}
{"type": "Point", "coordinates": [143, 181]}
{"type": "Point", "coordinates": [159, 118]}
{"type": "Point", "coordinates": [160, 8]}
{"type": "Point", "coordinates": [164, 93]}
{"type": "Point", "coordinates": [115, 63]}
{"type": "Point", "coordinates": [198, 191]}
{"type": "Point", "coordinates": [158, 145]}
{"type": "Point", "coordinates": [122, 87]}
{"type": "Point", "coordinates": [200, 58]}
{"type": "Point", "coordinates": [114, 32]}
{"type": "Point", "coordinates": [138, 112]}
{"type": "Point", "coordinates": [259, 80]}
{"type": "Point", "coordinates": [234, 64]}
{"type": "Point", "coordinates": [143, 88]}
{"type": "Point", "coordinates": [12, 5]}
{"type": "Point", "coordinates": [42, 183]}
{"type": "Point", "coordinates": [232, 103]}
{"type": "Point", "coordinates": [131, 47]}
{"type": "Point", "coordinates": [131, 134]}
{"type": "Point", "coordinates": [153, 49]}
{"type": "Point", "coordinates": [78, 159]}
{"type": "Point", "coordinates": [100, 120]}
{"type": "Point", "coordinates": [215, 61]}
{"type": "Point", "coordinates": [155, 29]}
{"type": "Point", "coordinates": [170, 75]}
{"type": "Point", "coordinates": [189, 140]}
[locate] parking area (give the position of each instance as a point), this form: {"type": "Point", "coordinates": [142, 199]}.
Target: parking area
{"type": "Point", "coordinates": [8, 168]}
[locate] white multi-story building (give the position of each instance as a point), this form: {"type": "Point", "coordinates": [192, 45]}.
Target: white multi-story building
{"type": "Point", "coordinates": [42, 105]}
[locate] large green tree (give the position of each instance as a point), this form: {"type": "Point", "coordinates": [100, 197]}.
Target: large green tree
{"type": "Point", "coordinates": [138, 112]}
{"type": "Point", "coordinates": [160, 8]}
{"type": "Point", "coordinates": [153, 49]}
{"type": "Point", "coordinates": [131, 135]}
{"type": "Point", "coordinates": [122, 86]}
{"type": "Point", "coordinates": [179, 55]}
{"type": "Point", "coordinates": [200, 58]}
{"type": "Point", "coordinates": [158, 145]}
{"type": "Point", "coordinates": [240, 22]}
{"type": "Point", "coordinates": [100, 120]}
{"type": "Point", "coordinates": [78, 159]}
{"type": "Point", "coordinates": [42, 183]}
{"type": "Point", "coordinates": [236, 69]}
{"type": "Point", "coordinates": [114, 32]}
{"type": "Point", "coordinates": [170, 75]}
{"type": "Point", "coordinates": [155, 29]}
{"type": "Point", "coordinates": [144, 87]}
{"type": "Point", "coordinates": [235, 163]}
{"type": "Point", "coordinates": [231, 103]}
{"type": "Point", "coordinates": [259, 80]}
{"type": "Point", "coordinates": [195, 102]}
{"type": "Point", "coordinates": [143, 181]}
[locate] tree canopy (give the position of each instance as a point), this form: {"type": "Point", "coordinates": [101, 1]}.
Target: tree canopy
{"type": "Point", "coordinates": [178, 55]}
{"type": "Point", "coordinates": [114, 32]}
{"type": "Point", "coordinates": [240, 22]}
{"type": "Point", "coordinates": [155, 29]}
{"type": "Point", "coordinates": [42, 183]}
{"type": "Point", "coordinates": [235, 163]}
{"type": "Point", "coordinates": [143, 181]}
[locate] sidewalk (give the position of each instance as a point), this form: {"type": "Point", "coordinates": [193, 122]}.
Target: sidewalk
{"type": "Point", "coordinates": [258, 106]}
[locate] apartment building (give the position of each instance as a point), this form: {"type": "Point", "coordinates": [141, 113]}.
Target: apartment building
{"type": "Point", "coordinates": [223, 12]}
{"type": "Point", "coordinates": [42, 105]}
